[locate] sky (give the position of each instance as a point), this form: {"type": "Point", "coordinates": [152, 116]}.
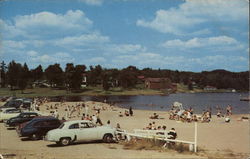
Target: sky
{"type": "Point", "coordinates": [184, 35]}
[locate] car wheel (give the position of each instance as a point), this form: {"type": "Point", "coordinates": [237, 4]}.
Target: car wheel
{"type": "Point", "coordinates": [108, 138]}
{"type": "Point", "coordinates": [65, 141]}
{"type": "Point", "coordinates": [35, 137]}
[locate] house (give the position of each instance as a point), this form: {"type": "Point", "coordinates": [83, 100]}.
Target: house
{"type": "Point", "coordinates": [141, 79]}
{"type": "Point", "coordinates": [209, 88]}
{"type": "Point", "coordinates": [158, 83]}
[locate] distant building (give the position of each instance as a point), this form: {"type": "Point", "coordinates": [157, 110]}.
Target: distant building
{"type": "Point", "coordinates": [141, 79]}
{"type": "Point", "coordinates": [158, 83]}
{"type": "Point", "coordinates": [84, 80]}
{"type": "Point", "coordinates": [209, 88]}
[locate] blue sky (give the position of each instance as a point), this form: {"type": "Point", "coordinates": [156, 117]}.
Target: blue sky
{"type": "Point", "coordinates": [191, 35]}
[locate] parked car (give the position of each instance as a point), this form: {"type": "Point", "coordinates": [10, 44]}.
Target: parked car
{"type": "Point", "coordinates": [8, 113]}
{"type": "Point", "coordinates": [18, 103]}
{"type": "Point", "coordinates": [21, 118]}
{"type": "Point", "coordinates": [78, 131]}
{"type": "Point", "coordinates": [38, 127]}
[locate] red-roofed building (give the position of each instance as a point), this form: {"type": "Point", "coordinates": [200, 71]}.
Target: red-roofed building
{"type": "Point", "coordinates": [158, 83]}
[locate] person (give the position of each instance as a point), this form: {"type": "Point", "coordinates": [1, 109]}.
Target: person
{"type": "Point", "coordinates": [130, 111]}
{"type": "Point", "coordinates": [56, 115]}
{"type": "Point", "coordinates": [108, 124]}
{"type": "Point", "coordinates": [94, 119]}
{"type": "Point", "coordinates": [218, 114]}
{"type": "Point", "coordinates": [149, 127]}
{"type": "Point", "coordinates": [172, 134]}
{"type": "Point", "coordinates": [120, 114]}
{"type": "Point", "coordinates": [126, 113]}
{"type": "Point", "coordinates": [154, 116]}
{"type": "Point", "coordinates": [153, 126]}
{"type": "Point", "coordinates": [227, 119]}
{"type": "Point", "coordinates": [98, 121]}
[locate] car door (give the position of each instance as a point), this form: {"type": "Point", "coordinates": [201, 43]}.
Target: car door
{"type": "Point", "coordinates": [87, 132]}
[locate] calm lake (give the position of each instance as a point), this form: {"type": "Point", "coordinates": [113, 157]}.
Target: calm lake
{"type": "Point", "coordinates": [198, 101]}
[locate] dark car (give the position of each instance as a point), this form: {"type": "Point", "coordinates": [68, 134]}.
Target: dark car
{"type": "Point", "coordinates": [38, 127]}
{"type": "Point", "coordinates": [21, 118]}
{"type": "Point", "coordinates": [18, 103]}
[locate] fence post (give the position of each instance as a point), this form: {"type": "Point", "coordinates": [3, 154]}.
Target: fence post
{"type": "Point", "coordinates": [195, 137]}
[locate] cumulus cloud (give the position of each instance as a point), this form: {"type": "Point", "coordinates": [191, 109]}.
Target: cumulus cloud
{"type": "Point", "coordinates": [81, 40]}
{"type": "Point", "coordinates": [47, 24]}
{"type": "Point", "coordinates": [59, 57]}
{"type": "Point", "coordinates": [200, 42]}
{"type": "Point", "coordinates": [191, 13]}
{"type": "Point", "coordinates": [143, 60]}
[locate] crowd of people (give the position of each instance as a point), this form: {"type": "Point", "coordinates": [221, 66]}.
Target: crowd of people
{"type": "Point", "coordinates": [187, 115]}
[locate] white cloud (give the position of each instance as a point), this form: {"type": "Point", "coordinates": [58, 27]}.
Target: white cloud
{"type": "Point", "coordinates": [201, 42]}
{"type": "Point", "coordinates": [59, 57]}
{"type": "Point", "coordinates": [81, 40]}
{"type": "Point", "coordinates": [13, 44]}
{"type": "Point", "coordinates": [32, 53]}
{"type": "Point", "coordinates": [92, 2]}
{"type": "Point", "coordinates": [194, 12]}
{"type": "Point", "coordinates": [124, 48]}
{"type": "Point", "coordinates": [47, 24]}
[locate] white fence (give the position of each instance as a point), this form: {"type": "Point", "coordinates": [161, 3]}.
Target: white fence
{"type": "Point", "coordinates": [161, 135]}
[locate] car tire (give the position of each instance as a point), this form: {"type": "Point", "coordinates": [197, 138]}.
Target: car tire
{"type": "Point", "coordinates": [35, 137]}
{"type": "Point", "coordinates": [65, 141]}
{"type": "Point", "coordinates": [108, 138]}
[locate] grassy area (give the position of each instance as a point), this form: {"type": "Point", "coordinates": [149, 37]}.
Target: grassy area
{"type": "Point", "coordinates": [95, 91]}
{"type": "Point", "coordinates": [86, 91]}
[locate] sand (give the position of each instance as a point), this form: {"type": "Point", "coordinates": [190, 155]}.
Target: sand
{"type": "Point", "coordinates": [216, 137]}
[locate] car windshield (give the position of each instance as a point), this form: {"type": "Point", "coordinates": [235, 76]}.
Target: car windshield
{"type": "Point", "coordinates": [61, 126]}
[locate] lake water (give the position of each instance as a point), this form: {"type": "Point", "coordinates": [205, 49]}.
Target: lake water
{"type": "Point", "coordinates": [198, 101]}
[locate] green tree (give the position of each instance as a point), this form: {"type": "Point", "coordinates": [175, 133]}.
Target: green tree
{"type": "Point", "coordinates": [24, 77]}
{"type": "Point", "coordinates": [54, 74]}
{"type": "Point", "coordinates": [14, 74]}
{"type": "Point", "coordinates": [37, 73]}
{"type": "Point", "coordinates": [77, 76]}
{"type": "Point", "coordinates": [3, 68]}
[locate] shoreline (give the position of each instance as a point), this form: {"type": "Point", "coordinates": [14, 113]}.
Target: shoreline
{"type": "Point", "coordinates": [48, 92]}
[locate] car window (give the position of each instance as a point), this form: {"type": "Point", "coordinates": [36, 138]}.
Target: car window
{"type": "Point", "coordinates": [13, 111]}
{"type": "Point", "coordinates": [53, 123]}
{"type": "Point", "coordinates": [74, 126]}
{"type": "Point", "coordinates": [84, 125]}
{"type": "Point", "coordinates": [40, 123]}
{"type": "Point", "coordinates": [61, 126]}
{"type": "Point", "coordinates": [91, 125]}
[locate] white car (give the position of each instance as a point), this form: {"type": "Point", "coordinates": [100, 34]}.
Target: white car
{"type": "Point", "coordinates": [8, 113]}
{"type": "Point", "coordinates": [79, 131]}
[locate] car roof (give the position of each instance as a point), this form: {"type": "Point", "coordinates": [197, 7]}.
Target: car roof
{"type": "Point", "coordinates": [29, 113]}
{"type": "Point", "coordinates": [41, 118]}
{"type": "Point", "coordinates": [76, 121]}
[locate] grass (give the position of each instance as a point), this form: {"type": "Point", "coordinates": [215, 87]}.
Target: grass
{"type": "Point", "coordinates": [157, 145]}
{"type": "Point", "coordinates": [35, 92]}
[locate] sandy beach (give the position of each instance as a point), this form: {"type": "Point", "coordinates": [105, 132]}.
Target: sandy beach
{"type": "Point", "coordinates": [216, 137]}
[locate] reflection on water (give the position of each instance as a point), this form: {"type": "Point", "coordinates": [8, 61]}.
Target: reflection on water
{"type": "Point", "coordinates": [198, 101]}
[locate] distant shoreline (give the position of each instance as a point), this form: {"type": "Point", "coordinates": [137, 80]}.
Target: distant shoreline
{"type": "Point", "coordinates": [48, 92]}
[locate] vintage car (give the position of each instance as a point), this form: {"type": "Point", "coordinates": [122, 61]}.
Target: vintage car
{"type": "Point", "coordinates": [79, 131]}
{"type": "Point", "coordinates": [38, 127]}
{"type": "Point", "coordinates": [8, 113]}
{"type": "Point", "coordinates": [21, 118]}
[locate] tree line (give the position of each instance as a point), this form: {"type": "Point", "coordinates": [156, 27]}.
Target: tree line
{"type": "Point", "coordinates": [19, 76]}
